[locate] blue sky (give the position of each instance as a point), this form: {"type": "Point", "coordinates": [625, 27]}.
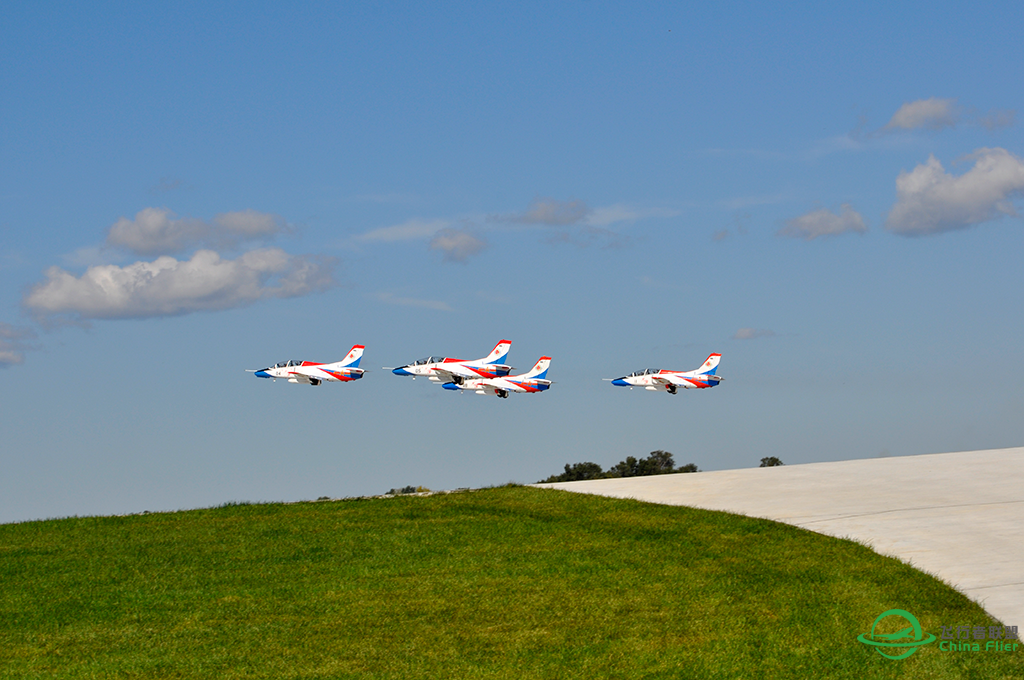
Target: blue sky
{"type": "Point", "coordinates": [827, 196]}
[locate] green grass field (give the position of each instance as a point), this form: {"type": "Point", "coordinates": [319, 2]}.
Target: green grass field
{"type": "Point", "coordinates": [501, 583]}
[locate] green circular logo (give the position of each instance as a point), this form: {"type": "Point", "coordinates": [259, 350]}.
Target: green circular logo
{"type": "Point", "coordinates": [908, 639]}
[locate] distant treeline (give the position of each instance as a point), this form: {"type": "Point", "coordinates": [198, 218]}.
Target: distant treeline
{"type": "Point", "coordinates": [657, 463]}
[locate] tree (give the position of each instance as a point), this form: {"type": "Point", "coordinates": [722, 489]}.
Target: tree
{"type": "Point", "coordinates": [625, 468]}
{"type": "Point", "coordinates": [656, 463]}
{"type": "Point", "coordinates": [576, 473]}
{"type": "Point", "coordinates": [771, 461]}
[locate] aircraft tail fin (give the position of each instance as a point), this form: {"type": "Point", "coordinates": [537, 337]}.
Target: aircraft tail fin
{"type": "Point", "coordinates": [499, 353]}
{"type": "Point", "coordinates": [710, 364]}
{"type": "Point", "coordinates": [354, 356]}
{"type": "Point", "coordinates": [540, 369]}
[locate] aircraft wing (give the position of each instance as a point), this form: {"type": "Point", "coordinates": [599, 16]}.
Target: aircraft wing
{"type": "Point", "coordinates": [486, 387]}
{"type": "Point", "coordinates": [685, 381]}
{"type": "Point", "coordinates": [443, 375]}
{"type": "Point", "coordinates": [663, 381]}
{"type": "Point", "coordinates": [494, 386]}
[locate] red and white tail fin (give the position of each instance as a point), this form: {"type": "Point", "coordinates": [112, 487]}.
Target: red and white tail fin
{"type": "Point", "coordinates": [354, 355]}
{"type": "Point", "coordinates": [539, 370]}
{"type": "Point", "coordinates": [710, 365]}
{"type": "Point", "coordinates": [499, 353]}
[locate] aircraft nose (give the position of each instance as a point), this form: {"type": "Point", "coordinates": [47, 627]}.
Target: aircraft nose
{"type": "Point", "coordinates": [401, 371]}
{"type": "Point", "coordinates": [262, 374]}
{"type": "Point", "coordinates": [619, 382]}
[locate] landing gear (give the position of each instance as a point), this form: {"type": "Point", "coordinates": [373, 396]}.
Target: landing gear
{"type": "Point", "coordinates": [671, 389]}
{"type": "Point", "coordinates": [314, 381]}
{"type": "Point", "coordinates": [458, 379]}
{"type": "Point", "coordinates": [503, 394]}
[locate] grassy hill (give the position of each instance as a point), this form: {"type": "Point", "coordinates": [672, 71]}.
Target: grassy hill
{"type": "Point", "coordinates": [500, 583]}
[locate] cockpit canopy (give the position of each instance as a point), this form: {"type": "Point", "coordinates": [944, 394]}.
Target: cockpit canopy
{"type": "Point", "coordinates": [427, 360]}
{"type": "Point", "coordinates": [646, 371]}
{"type": "Point", "coordinates": [286, 364]}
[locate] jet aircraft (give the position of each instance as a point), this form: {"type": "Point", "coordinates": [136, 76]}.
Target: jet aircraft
{"type": "Point", "coordinates": [656, 379]}
{"type": "Point", "coordinates": [448, 370]}
{"type": "Point", "coordinates": [535, 380]}
{"type": "Point", "coordinates": [310, 373]}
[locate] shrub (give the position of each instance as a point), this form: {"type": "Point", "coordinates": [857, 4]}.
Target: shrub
{"type": "Point", "coordinates": [406, 490]}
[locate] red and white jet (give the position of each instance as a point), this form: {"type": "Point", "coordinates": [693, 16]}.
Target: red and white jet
{"type": "Point", "coordinates": [657, 379]}
{"type": "Point", "coordinates": [311, 373]}
{"type": "Point", "coordinates": [535, 380]}
{"type": "Point", "coordinates": [448, 370]}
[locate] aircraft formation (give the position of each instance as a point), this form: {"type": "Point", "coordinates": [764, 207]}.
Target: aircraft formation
{"type": "Point", "coordinates": [489, 375]}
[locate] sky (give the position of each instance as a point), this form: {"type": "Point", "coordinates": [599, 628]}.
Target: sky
{"type": "Point", "coordinates": [829, 195]}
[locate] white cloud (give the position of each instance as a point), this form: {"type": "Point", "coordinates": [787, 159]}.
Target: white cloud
{"type": "Point", "coordinates": [156, 231]}
{"type": "Point", "coordinates": [602, 217]}
{"type": "Point", "coordinates": [936, 113]}
{"type": "Point", "coordinates": [824, 222]}
{"type": "Point", "coordinates": [9, 357]}
{"type": "Point", "coordinates": [14, 341]}
{"type": "Point", "coordinates": [581, 225]}
{"type": "Point", "coordinates": [392, 299]}
{"type": "Point", "coordinates": [249, 223]}
{"type": "Point", "coordinates": [753, 333]}
{"type": "Point", "coordinates": [407, 231]}
{"type": "Point", "coordinates": [930, 201]}
{"type": "Point", "coordinates": [932, 113]}
{"type": "Point", "coordinates": [996, 119]}
{"type": "Point", "coordinates": [168, 286]}
{"type": "Point", "coordinates": [586, 236]}
{"type": "Point", "coordinates": [456, 244]}
{"type": "Point", "coordinates": [549, 211]}
{"type": "Point", "coordinates": [740, 222]}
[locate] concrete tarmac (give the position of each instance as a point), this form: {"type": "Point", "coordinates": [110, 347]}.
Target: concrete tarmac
{"type": "Point", "coordinates": [957, 516]}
